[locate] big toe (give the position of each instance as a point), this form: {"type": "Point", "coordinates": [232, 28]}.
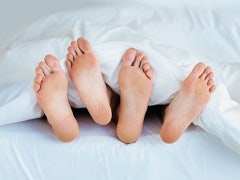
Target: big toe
{"type": "Point", "coordinates": [129, 57]}
{"type": "Point", "coordinates": [84, 45]}
{"type": "Point", "coordinates": [52, 63]}
{"type": "Point", "coordinates": [198, 70]}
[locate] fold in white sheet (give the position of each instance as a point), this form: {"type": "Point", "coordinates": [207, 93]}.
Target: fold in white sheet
{"type": "Point", "coordinates": [174, 40]}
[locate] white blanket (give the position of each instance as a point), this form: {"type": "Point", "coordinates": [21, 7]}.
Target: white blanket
{"type": "Point", "coordinates": [174, 41]}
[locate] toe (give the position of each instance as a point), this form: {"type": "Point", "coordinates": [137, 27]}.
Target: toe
{"type": "Point", "coordinates": [72, 51]}
{"type": "Point", "coordinates": [143, 62]}
{"type": "Point", "coordinates": [206, 71]}
{"type": "Point", "coordinates": [36, 87]}
{"type": "Point", "coordinates": [44, 68]}
{"type": "Point", "coordinates": [70, 57]}
{"type": "Point", "coordinates": [38, 79]}
{"type": "Point", "coordinates": [76, 48]}
{"type": "Point", "coordinates": [210, 82]}
{"type": "Point", "coordinates": [68, 64]}
{"type": "Point", "coordinates": [198, 70]}
{"type": "Point", "coordinates": [209, 76]}
{"type": "Point", "coordinates": [84, 45]}
{"type": "Point", "coordinates": [37, 83]}
{"type": "Point", "coordinates": [212, 88]}
{"type": "Point", "coordinates": [52, 62]}
{"type": "Point", "coordinates": [138, 59]}
{"type": "Point", "coordinates": [146, 67]}
{"type": "Point", "coordinates": [129, 57]}
{"type": "Point", "coordinates": [149, 74]}
{"type": "Point", "coordinates": [69, 61]}
{"type": "Point", "coordinates": [38, 71]}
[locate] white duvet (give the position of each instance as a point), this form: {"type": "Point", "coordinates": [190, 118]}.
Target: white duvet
{"type": "Point", "coordinates": [173, 39]}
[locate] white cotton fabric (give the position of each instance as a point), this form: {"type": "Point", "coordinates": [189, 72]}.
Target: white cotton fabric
{"type": "Point", "coordinates": [174, 39]}
{"type": "Point", "coordinates": [178, 34]}
{"type": "Point", "coordinates": [29, 150]}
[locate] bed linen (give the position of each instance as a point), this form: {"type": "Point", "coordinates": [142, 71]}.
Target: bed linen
{"type": "Point", "coordinates": [178, 36]}
{"type": "Point", "coordinates": [29, 150]}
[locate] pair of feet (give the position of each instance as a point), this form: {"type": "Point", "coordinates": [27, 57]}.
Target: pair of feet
{"type": "Point", "coordinates": [135, 82]}
{"type": "Point", "coordinates": [50, 85]}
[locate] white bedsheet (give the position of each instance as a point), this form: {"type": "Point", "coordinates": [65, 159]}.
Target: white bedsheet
{"type": "Point", "coordinates": [174, 38]}
{"type": "Point", "coordinates": [29, 150]}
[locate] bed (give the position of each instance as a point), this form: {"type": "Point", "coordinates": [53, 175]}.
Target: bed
{"type": "Point", "coordinates": [179, 34]}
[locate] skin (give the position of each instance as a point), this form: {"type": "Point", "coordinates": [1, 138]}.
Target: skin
{"type": "Point", "coordinates": [135, 82]}
{"type": "Point", "coordinates": [50, 86]}
{"type": "Point", "coordinates": [52, 97]}
{"type": "Point", "coordinates": [193, 96]}
{"type": "Point", "coordinates": [84, 71]}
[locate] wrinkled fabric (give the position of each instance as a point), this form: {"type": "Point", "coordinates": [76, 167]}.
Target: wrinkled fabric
{"type": "Point", "coordinates": [174, 36]}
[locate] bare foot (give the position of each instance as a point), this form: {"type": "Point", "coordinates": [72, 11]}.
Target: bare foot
{"type": "Point", "coordinates": [84, 71]}
{"type": "Point", "coordinates": [191, 99]}
{"type": "Point", "coordinates": [50, 86]}
{"type": "Point", "coordinates": [135, 81]}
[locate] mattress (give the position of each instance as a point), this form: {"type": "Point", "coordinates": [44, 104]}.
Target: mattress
{"type": "Point", "coordinates": [29, 149]}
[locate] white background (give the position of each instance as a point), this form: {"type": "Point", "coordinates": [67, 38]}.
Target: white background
{"type": "Point", "coordinates": [14, 17]}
